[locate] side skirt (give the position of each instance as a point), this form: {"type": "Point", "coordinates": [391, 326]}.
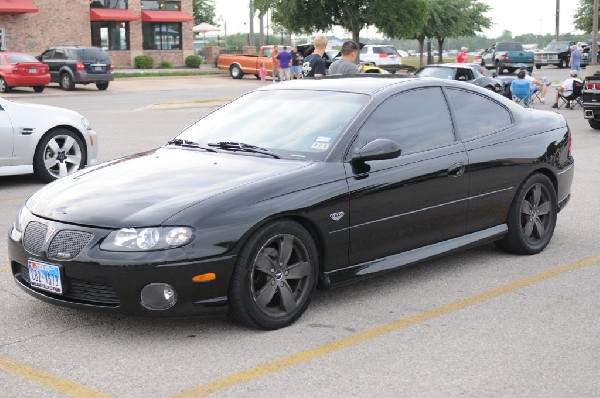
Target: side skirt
{"type": "Point", "coordinates": [389, 263]}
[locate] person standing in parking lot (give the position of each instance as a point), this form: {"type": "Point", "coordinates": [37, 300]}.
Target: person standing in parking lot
{"type": "Point", "coordinates": [314, 64]}
{"type": "Point", "coordinates": [345, 65]}
{"type": "Point", "coordinates": [575, 59]}
{"type": "Point", "coordinates": [274, 55]}
{"type": "Point", "coordinates": [296, 59]}
{"type": "Point", "coordinates": [463, 56]}
{"type": "Point", "coordinates": [285, 62]}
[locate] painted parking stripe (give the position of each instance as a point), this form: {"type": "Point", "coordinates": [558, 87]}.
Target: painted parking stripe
{"type": "Point", "coordinates": [49, 380]}
{"type": "Point", "coordinates": [11, 199]}
{"type": "Point", "coordinates": [358, 338]}
{"type": "Point", "coordinates": [4, 268]}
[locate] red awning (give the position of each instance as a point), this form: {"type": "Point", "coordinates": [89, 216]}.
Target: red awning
{"type": "Point", "coordinates": [17, 6]}
{"type": "Point", "coordinates": [166, 16]}
{"type": "Point", "coordinates": [106, 14]}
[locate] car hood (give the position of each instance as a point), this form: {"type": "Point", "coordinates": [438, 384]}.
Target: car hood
{"type": "Point", "coordinates": [148, 188]}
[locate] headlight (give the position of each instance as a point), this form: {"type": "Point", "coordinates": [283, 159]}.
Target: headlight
{"type": "Point", "coordinates": [22, 217]}
{"type": "Point", "coordinates": [142, 239]}
{"type": "Point", "coordinates": [86, 123]}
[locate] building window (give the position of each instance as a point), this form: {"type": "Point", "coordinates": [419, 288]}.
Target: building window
{"type": "Point", "coordinates": [161, 36]}
{"type": "Point", "coordinates": [114, 4]}
{"type": "Point", "coordinates": [161, 5]}
{"type": "Point", "coordinates": [110, 35]}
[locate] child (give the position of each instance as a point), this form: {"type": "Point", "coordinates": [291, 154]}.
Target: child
{"type": "Point", "coordinates": [262, 73]}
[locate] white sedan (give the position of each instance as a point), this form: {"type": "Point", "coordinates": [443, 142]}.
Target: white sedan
{"type": "Point", "coordinates": [48, 141]}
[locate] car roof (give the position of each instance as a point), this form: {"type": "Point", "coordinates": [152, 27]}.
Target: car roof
{"type": "Point", "coordinates": [360, 84]}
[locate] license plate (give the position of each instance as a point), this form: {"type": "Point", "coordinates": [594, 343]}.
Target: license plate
{"type": "Point", "coordinates": [98, 68]}
{"type": "Point", "coordinates": [45, 276]}
{"type": "Point", "coordinates": [32, 70]}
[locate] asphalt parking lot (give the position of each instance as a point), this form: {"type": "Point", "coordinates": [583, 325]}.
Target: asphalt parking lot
{"type": "Point", "coordinates": [477, 323]}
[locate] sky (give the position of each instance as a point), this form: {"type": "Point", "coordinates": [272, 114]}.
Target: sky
{"type": "Point", "coordinates": [518, 16]}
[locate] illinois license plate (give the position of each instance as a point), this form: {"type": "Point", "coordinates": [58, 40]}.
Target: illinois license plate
{"type": "Point", "coordinates": [45, 276]}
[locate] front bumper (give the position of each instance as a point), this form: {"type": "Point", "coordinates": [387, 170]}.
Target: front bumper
{"type": "Point", "coordinates": [112, 281]}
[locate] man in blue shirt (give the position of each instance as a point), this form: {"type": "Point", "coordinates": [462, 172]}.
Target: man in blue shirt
{"type": "Point", "coordinates": [575, 60]}
{"type": "Point", "coordinates": [285, 62]}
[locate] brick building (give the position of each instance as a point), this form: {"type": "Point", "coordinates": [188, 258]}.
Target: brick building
{"type": "Point", "coordinates": [161, 29]}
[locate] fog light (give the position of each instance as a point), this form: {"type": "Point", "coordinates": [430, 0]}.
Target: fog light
{"type": "Point", "coordinates": [158, 296]}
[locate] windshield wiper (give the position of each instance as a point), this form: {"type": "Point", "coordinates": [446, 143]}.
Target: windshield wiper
{"type": "Point", "coordinates": [189, 144]}
{"type": "Point", "coordinates": [240, 146]}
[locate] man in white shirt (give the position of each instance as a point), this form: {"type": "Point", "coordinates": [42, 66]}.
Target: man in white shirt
{"type": "Point", "coordinates": [567, 87]}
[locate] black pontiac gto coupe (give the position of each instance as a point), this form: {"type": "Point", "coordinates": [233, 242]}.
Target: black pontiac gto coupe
{"type": "Point", "coordinates": [246, 213]}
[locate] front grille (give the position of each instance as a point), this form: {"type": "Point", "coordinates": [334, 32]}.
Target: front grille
{"type": "Point", "coordinates": [68, 244]}
{"type": "Point", "coordinates": [34, 237]}
{"type": "Point", "coordinates": [79, 291]}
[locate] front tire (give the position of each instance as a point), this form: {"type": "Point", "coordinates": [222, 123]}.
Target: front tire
{"type": "Point", "coordinates": [58, 154]}
{"type": "Point", "coordinates": [538, 66]}
{"type": "Point", "coordinates": [532, 217]}
{"type": "Point", "coordinates": [275, 276]}
{"type": "Point", "coordinates": [562, 64]}
{"type": "Point", "coordinates": [236, 72]}
{"type": "Point", "coordinates": [66, 82]}
{"type": "Point", "coordinates": [4, 88]}
{"type": "Point", "coordinates": [595, 124]}
{"type": "Point", "coordinates": [499, 69]}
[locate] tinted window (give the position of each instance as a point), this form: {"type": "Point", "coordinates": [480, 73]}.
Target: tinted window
{"type": "Point", "coordinates": [416, 119]}
{"type": "Point", "coordinates": [91, 54]}
{"type": "Point", "coordinates": [384, 50]}
{"type": "Point", "coordinates": [439, 72]}
{"type": "Point", "coordinates": [477, 114]}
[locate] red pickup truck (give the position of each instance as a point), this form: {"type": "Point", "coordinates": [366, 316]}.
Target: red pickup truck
{"type": "Point", "coordinates": [238, 65]}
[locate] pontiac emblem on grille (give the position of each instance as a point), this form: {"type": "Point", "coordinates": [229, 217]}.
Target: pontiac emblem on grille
{"type": "Point", "coordinates": [49, 234]}
{"type": "Point", "coordinates": [337, 216]}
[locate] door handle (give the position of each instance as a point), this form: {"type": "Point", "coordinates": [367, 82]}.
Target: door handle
{"type": "Point", "coordinates": [456, 170]}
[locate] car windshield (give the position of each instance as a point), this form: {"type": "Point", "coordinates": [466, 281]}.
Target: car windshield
{"type": "Point", "coordinates": [557, 47]}
{"type": "Point", "coordinates": [16, 58]}
{"type": "Point", "coordinates": [385, 50]}
{"type": "Point", "coordinates": [293, 123]}
{"type": "Point", "coordinates": [439, 72]}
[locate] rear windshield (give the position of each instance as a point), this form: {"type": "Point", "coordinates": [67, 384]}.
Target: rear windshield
{"type": "Point", "coordinates": [509, 47]}
{"type": "Point", "coordinates": [92, 53]}
{"type": "Point", "coordinates": [384, 50]}
{"type": "Point", "coordinates": [16, 58]}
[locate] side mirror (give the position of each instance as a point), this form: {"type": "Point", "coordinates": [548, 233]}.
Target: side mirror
{"type": "Point", "coordinates": [39, 57]}
{"type": "Point", "coordinates": [379, 149]}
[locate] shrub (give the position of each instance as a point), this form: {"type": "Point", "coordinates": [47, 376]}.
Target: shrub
{"type": "Point", "coordinates": [143, 62]}
{"type": "Point", "coordinates": [193, 61]}
{"type": "Point", "coordinates": [166, 65]}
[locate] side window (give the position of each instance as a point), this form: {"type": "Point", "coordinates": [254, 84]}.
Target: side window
{"type": "Point", "coordinates": [363, 50]}
{"type": "Point", "coordinates": [477, 114]}
{"type": "Point", "coordinates": [60, 54]}
{"type": "Point", "coordinates": [415, 119]}
{"type": "Point", "coordinates": [48, 55]}
{"type": "Point", "coordinates": [266, 52]}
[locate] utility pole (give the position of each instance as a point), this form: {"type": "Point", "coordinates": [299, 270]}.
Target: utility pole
{"type": "Point", "coordinates": [594, 53]}
{"type": "Point", "coordinates": [557, 19]}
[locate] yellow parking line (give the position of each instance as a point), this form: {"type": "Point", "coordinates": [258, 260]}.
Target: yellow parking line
{"type": "Point", "coordinates": [4, 268]}
{"type": "Point", "coordinates": [10, 199]}
{"type": "Point", "coordinates": [48, 379]}
{"type": "Point", "coordinates": [358, 338]}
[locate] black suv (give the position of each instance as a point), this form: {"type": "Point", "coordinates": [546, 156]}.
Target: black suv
{"type": "Point", "coordinates": [70, 65]}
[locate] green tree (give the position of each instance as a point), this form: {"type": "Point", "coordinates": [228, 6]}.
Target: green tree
{"type": "Point", "coordinates": [204, 11]}
{"type": "Point", "coordinates": [398, 18]}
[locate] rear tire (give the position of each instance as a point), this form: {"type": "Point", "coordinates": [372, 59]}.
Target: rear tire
{"type": "Point", "coordinates": [531, 217]}
{"type": "Point", "coordinates": [595, 124]}
{"type": "Point", "coordinates": [236, 72]}
{"type": "Point", "coordinates": [537, 66]}
{"type": "Point", "coordinates": [275, 276]}
{"type": "Point", "coordinates": [562, 64]}
{"type": "Point", "coordinates": [102, 85]}
{"type": "Point", "coordinates": [66, 82]}
{"type": "Point", "coordinates": [39, 89]}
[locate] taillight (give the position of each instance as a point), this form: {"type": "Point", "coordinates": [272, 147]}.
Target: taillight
{"type": "Point", "coordinates": [79, 66]}
{"type": "Point", "coordinates": [570, 141]}
{"type": "Point", "coordinates": [506, 58]}
{"type": "Point", "coordinates": [593, 86]}
{"type": "Point", "coordinates": [383, 55]}
{"type": "Point", "coordinates": [112, 67]}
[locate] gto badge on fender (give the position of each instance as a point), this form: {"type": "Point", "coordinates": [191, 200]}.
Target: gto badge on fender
{"type": "Point", "coordinates": [337, 216]}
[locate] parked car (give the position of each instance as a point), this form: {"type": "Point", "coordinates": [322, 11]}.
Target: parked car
{"type": "Point", "coordinates": [467, 73]}
{"type": "Point", "coordinates": [384, 56]}
{"type": "Point", "coordinates": [48, 141]}
{"type": "Point", "coordinates": [232, 216]}
{"type": "Point", "coordinates": [506, 55]}
{"type": "Point", "coordinates": [22, 70]}
{"type": "Point", "coordinates": [558, 54]}
{"type": "Point", "coordinates": [70, 65]}
{"type": "Point", "coordinates": [591, 100]}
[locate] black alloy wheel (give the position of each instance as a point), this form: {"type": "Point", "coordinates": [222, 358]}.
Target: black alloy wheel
{"type": "Point", "coordinates": [275, 276]}
{"type": "Point", "coordinates": [532, 217]}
